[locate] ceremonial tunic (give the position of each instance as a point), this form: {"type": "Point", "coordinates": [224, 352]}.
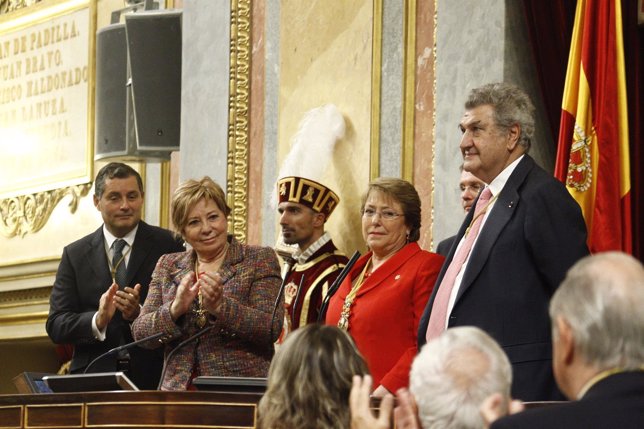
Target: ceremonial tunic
{"type": "Point", "coordinates": [307, 284]}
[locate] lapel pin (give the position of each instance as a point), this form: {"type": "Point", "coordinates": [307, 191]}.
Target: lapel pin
{"type": "Point", "coordinates": [397, 277]}
{"type": "Point", "coordinates": [511, 204]}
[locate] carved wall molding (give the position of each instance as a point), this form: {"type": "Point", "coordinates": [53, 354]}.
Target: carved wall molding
{"type": "Point", "coordinates": [24, 214]}
{"type": "Point", "coordinates": [25, 297]}
{"type": "Point", "coordinates": [7, 6]}
{"type": "Point", "coordinates": [238, 117]}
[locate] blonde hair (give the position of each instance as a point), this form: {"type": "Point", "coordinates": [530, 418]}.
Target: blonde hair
{"type": "Point", "coordinates": [189, 193]}
{"type": "Point", "coordinates": [309, 380]}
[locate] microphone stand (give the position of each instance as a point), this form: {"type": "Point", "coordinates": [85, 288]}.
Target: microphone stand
{"type": "Point", "coordinates": [336, 285]}
{"type": "Point", "coordinates": [123, 347]}
{"type": "Point", "coordinates": [288, 264]}
{"type": "Point", "coordinates": [181, 344]}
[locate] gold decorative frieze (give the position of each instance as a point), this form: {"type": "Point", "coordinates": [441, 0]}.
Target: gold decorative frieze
{"type": "Point", "coordinates": [29, 213]}
{"type": "Point", "coordinates": [238, 116]}
{"type": "Point", "coordinates": [11, 5]}
{"type": "Point", "coordinates": [25, 297]}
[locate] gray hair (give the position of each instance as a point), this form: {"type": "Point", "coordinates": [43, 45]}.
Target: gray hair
{"type": "Point", "coordinates": [602, 300]}
{"type": "Point", "coordinates": [454, 373]}
{"type": "Point", "coordinates": [511, 106]}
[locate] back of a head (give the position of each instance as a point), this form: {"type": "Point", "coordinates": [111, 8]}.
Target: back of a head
{"type": "Point", "coordinates": [310, 379]}
{"type": "Point", "coordinates": [602, 300]}
{"type": "Point", "coordinates": [454, 373]}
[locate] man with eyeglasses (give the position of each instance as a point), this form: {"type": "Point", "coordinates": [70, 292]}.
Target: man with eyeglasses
{"type": "Point", "coordinates": [470, 187]}
{"type": "Point", "coordinates": [304, 208]}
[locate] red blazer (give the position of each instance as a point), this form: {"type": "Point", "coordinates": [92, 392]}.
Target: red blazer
{"type": "Point", "coordinates": [386, 311]}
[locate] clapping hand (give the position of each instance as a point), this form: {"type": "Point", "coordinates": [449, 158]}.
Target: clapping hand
{"type": "Point", "coordinates": [359, 401]}
{"type": "Point", "coordinates": [186, 293]}
{"type": "Point", "coordinates": [211, 286]}
{"type": "Point", "coordinates": [127, 302]}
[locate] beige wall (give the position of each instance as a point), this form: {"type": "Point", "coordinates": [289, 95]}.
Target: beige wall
{"type": "Point", "coordinates": [325, 57]}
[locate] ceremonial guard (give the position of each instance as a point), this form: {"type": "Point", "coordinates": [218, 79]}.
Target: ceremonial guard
{"type": "Point", "coordinates": [304, 207]}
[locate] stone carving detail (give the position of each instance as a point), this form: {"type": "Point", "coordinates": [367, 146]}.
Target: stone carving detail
{"type": "Point", "coordinates": [29, 213]}
{"type": "Point", "coordinates": [238, 131]}
{"type": "Point", "coordinates": [25, 297]}
{"type": "Point", "coordinates": [7, 6]}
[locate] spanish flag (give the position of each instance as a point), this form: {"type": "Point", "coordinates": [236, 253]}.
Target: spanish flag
{"type": "Point", "coordinates": [592, 155]}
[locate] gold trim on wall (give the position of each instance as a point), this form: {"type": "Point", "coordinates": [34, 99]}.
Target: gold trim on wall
{"type": "Point", "coordinates": [409, 91]}
{"type": "Point", "coordinates": [25, 297]}
{"type": "Point", "coordinates": [29, 276]}
{"type": "Point", "coordinates": [39, 317]}
{"type": "Point", "coordinates": [55, 259]}
{"type": "Point", "coordinates": [433, 177]}
{"type": "Point", "coordinates": [7, 6]}
{"type": "Point", "coordinates": [238, 117]}
{"type": "Point", "coordinates": [164, 195]}
{"type": "Point", "coordinates": [29, 213]}
{"type": "Point", "coordinates": [376, 90]}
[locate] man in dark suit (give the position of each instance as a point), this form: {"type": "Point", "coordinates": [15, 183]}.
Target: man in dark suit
{"type": "Point", "coordinates": [87, 307]}
{"type": "Point", "coordinates": [598, 344]}
{"type": "Point", "coordinates": [470, 187]}
{"type": "Point", "coordinates": [531, 232]}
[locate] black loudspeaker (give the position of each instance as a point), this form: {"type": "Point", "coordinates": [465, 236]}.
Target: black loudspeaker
{"type": "Point", "coordinates": [138, 87]}
{"type": "Point", "coordinates": [111, 92]}
{"type": "Point", "coordinates": [154, 53]}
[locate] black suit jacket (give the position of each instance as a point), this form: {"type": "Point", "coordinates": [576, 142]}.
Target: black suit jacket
{"type": "Point", "coordinates": [533, 234]}
{"type": "Point", "coordinates": [614, 402]}
{"type": "Point", "coordinates": [83, 276]}
{"type": "Point", "coordinates": [444, 246]}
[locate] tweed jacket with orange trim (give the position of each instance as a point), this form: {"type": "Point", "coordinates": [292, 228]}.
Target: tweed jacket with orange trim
{"type": "Point", "coordinates": [240, 343]}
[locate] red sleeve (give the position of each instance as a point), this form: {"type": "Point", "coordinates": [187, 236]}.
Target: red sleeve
{"type": "Point", "coordinates": [423, 285]}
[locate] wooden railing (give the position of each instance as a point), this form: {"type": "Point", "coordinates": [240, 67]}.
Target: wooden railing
{"type": "Point", "coordinates": [145, 409]}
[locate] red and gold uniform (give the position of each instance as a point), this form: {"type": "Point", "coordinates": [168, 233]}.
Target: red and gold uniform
{"type": "Point", "coordinates": [313, 269]}
{"type": "Point", "coordinates": [309, 279]}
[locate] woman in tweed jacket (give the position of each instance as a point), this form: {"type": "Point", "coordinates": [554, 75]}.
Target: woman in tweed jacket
{"type": "Point", "coordinates": [234, 291]}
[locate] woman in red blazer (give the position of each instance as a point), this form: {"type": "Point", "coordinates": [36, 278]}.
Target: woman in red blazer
{"type": "Point", "coordinates": [381, 301]}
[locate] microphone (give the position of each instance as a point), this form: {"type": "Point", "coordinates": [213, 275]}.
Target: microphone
{"type": "Point", "coordinates": [176, 349]}
{"type": "Point", "coordinates": [123, 347]}
{"type": "Point", "coordinates": [336, 285]}
{"type": "Point", "coordinates": [288, 264]}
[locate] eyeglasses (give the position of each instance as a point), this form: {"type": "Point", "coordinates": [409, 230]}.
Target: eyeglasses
{"type": "Point", "coordinates": [474, 188]}
{"type": "Point", "coordinates": [385, 214]}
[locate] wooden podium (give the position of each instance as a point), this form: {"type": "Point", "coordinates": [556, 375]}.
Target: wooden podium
{"type": "Point", "coordinates": [126, 409]}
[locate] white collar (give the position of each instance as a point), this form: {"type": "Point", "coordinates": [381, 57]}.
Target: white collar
{"type": "Point", "coordinates": [110, 238]}
{"type": "Point", "coordinates": [498, 183]}
{"type": "Point", "coordinates": [302, 257]}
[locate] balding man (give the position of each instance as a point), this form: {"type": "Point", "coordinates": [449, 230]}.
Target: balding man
{"type": "Point", "coordinates": [598, 348]}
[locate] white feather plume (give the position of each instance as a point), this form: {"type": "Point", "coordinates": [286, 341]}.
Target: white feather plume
{"type": "Point", "coordinates": [312, 145]}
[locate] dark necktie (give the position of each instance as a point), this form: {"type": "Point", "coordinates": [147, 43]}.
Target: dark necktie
{"type": "Point", "coordinates": [118, 262]}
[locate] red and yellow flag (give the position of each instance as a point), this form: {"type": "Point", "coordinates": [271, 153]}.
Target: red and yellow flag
{"type": "Point", "coordinates": [592, 155]}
